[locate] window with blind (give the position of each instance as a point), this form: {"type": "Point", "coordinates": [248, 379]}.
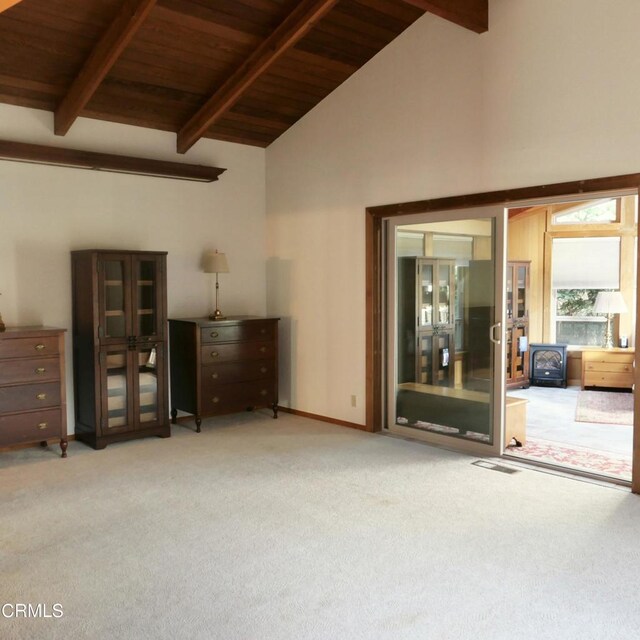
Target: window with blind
{"type": "Point", "coordinates": [581, 268]}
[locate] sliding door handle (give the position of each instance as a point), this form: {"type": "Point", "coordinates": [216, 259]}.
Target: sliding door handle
{"type": "Point", "coordinates": [492, 333]}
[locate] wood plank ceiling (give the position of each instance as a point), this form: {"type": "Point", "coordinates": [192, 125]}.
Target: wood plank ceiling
{"type": "Point", "coordinates": [236, 70]}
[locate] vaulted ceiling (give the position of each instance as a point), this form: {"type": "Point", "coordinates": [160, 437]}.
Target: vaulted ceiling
{"type": "Point", "coordinates": [236, 70]}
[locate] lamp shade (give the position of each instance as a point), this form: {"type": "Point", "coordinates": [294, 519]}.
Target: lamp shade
{"type": "Point", "coordinates": [214, 262]}
{"type": "Point", "coordinates": [609, 302]}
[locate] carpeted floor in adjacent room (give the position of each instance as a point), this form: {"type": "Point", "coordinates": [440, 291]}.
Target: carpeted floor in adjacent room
{"type": "Point", "coordinates": [258, 529]}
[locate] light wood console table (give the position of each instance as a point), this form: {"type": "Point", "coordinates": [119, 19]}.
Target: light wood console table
{"type": "Point", "coordinates": [608, 368]}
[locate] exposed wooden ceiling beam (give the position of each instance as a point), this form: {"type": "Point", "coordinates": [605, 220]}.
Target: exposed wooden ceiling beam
{"type": "Point", "coordinates": [471, 14]}
{"type": "Point", "coordinates": [299, 22]}
{"type": "Point", "coordinates": [129, 19]}
{"type": "Point", "coordinates": [74, 158]}
{"type": "Point", "coordinates": [5, 4]}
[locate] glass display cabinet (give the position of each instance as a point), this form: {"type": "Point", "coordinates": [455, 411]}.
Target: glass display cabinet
{"type": "Point", "coordinates": [426, 325]}
{"type": "Point", "coordinates": [119, 336]}
{"type": "Point", "coordinates": [517, 329]}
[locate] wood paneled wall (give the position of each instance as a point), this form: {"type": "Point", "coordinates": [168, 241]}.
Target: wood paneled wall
{"type": "Point", "coordinates": [626, 321]}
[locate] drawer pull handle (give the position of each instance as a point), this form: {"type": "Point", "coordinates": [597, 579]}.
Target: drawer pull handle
{"type": "Point", "coordinates": [263, 331]}
{"type": "Point", "coordinates": [263, 392]}
{"type": "Point", "coordinates": [214, 376]}
{"type": "Point", "coordinates": [42, 426]}
{"type": "Point", "coordinates": [39, 347]}
{"type": "Point", "coordinates": [215, 400]}
{"type": "Point", "coordinates": [214, 334]}
{"type": "Point", "coordinates": [41, 396]}
{"type": "Point", "coordinates": [214, 354]}
{"type": "Point", "coordinates": [263, 349]}
{"type": "Point", "coordinates": [263, 369]}
{"type": "Point", "coordinates": [40, 370]}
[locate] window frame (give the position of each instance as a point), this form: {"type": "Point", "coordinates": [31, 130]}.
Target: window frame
{"type": "Point", "coordinates": [600, 319]}
{"type": "Point", "coordinates": [554, 210]}
{"type": "Point", "coordinates": [625, 230]}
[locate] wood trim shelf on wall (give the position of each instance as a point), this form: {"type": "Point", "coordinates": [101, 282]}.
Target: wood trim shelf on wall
{"type": "Point", "coordinates": [77, 159]}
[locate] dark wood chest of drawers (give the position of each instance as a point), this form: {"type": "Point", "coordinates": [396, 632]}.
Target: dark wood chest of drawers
{"type": "Point", "coordinates": [32, 386]}
{"type": "Point", "coordinates": [223, 366]}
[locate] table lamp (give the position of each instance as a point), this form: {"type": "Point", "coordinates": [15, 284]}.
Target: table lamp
{"type": "Point", "coordinates": [608, 303]}
{"type": "Point", "coordinates": [215, 262]}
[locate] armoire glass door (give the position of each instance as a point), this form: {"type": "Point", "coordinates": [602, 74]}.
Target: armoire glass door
{"type": "Point", "coordinates": [148, 299]}
{"type": "Point", "coordinates": [114, 301]}
{"type": "Point", "coordinates": [116, 381]}
{"type": "Point", "coordinates": [147, 383]}
{"type": "Point", "coordinates": [426, 294]}
{"type": "Point", "coordinates": [521, 292]}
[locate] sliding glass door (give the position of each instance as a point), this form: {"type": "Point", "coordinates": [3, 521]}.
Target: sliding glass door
{"type": "Point", "coordinates": [445, 338]}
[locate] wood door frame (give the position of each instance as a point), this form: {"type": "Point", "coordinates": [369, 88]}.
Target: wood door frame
{"type": "Point", "coordinates": [374, 253]}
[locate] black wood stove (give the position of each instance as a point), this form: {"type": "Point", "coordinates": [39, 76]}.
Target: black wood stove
{"type": "Point", "coordinates": [548, 364]}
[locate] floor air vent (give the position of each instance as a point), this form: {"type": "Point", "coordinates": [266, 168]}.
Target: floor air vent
{"type": "Point", "coordinates": [495, 467]}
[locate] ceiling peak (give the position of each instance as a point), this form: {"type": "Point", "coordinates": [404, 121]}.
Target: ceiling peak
{"type": "Point", "coordinates": [470, 14]}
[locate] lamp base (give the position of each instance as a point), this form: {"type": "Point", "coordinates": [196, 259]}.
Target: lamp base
{"type": "Point", "coordinates": [216, 315]}
{"type": "Point", "coordinates": [608, 334]}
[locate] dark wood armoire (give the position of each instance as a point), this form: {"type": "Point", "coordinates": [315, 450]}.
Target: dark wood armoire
{"type": "Point", "coordinates": [119, 345]}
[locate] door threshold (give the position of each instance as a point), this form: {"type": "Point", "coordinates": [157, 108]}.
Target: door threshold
{"type": "Point", "coordinates": [566, 472]}
{"type": "Point", "coordinates": [531, 465]}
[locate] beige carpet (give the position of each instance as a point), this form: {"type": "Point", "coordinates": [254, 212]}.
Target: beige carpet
{"type": "Point", "coordinates": [605, 407]}
{"type": "Point", "coordinates": [260, 529]}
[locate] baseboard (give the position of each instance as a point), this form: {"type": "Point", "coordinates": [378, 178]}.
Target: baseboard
{"type": "Point", "coordinates": [302, 414]}
{"type": "Point", "coordinates": [313, 416]}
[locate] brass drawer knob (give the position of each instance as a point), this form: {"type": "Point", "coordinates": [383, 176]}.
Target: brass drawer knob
{"type": "Point", "coordinates": [214, 334]}
{"type": "Point", "coordinates": [215, 400]}
{"type": "Point", "coordinates": [214, 376]}
{"type": "Point", "coordinates": [263, 331]}
{"type": "Point", "coordinates": [263, 349]}
{"type": "Point", "coordinates": [42, 426]}
{"type": "Point", "coordinates": [39, 347]}
{"type": "Point", "coordinates": [41, 396]}
{"type": "Point", "coordinates": [263, 392]}
{"type": "Point", "coordinates": [214, 354]}
{"type": "Point", "coordinates": [263, 369]}
{"type": "Point", "coordinates": [40, 370]}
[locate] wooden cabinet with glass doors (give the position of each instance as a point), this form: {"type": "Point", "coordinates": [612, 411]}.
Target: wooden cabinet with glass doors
{"type": "Point", "coordinates": [426, 345]}
{"type": "Point", "coordinates": [517, 329]}
{"type": "Point", "coordinates": [119, 345]}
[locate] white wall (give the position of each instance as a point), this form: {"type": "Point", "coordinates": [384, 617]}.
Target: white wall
{"type": "Point", "coordinates": [45, 212]}
{"type": "Point", "coordinates": [549, 94]}
{"type": "Point", "coordinates": [561, 91]}
{"type": "Point", "coordinates": [406, 126]}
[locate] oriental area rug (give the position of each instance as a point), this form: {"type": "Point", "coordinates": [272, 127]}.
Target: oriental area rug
{"type": "Point", "coordinates": [576, 457]}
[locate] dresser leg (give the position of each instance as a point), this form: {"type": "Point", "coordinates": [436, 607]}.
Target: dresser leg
{"type": "Point", "coordinates": [275, 410]}
{"type": "Point", "coordinates": [174, 415]}
{"type": "Point", "coordinates": [63, 446]}
{"type": "Point", "coordinates": [198, 423]}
